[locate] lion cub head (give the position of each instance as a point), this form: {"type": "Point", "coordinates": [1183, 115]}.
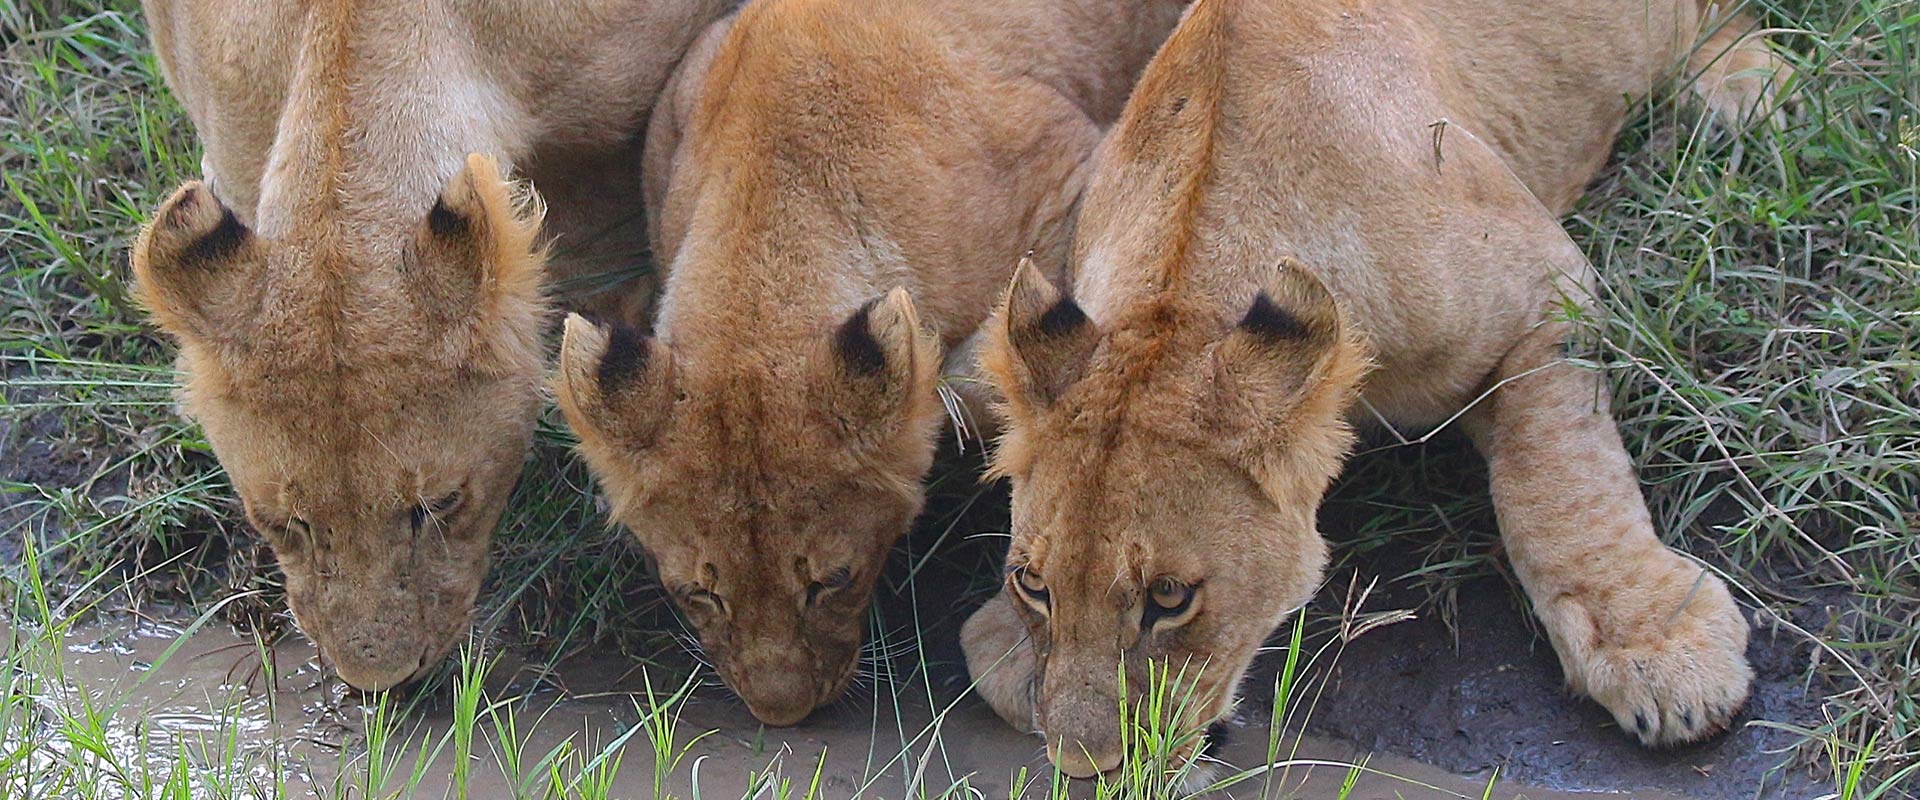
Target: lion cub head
{"type": "Point", "coordinates": [372, 412]}
{"type": "Point", "coordinates": [1165, 479]}
{"type": "Point", "coordinates": [767, 476]}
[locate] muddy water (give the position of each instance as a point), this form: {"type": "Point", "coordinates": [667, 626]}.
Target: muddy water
{"type": "Point", "coordinates": [292, 721]}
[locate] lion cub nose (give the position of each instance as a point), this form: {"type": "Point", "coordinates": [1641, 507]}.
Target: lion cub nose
{"type": "Point", "coordinates": [375, 666]}
{"type": "Point", "coordinates": [1083, 759]}
{"type": "Point", "coordinates": [780, 681]}
{"type": "Point", "coordinates": [778, 697]}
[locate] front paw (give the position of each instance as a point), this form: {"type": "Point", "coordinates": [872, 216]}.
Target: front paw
{"type": "Point", "coordinates": [1001, 661]}
{"type": "Point", "coordinates": [1661, 645]}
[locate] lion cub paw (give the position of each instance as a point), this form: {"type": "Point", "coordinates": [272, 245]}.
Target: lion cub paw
{"type": "Point", "coordinates": [1001, 661]}
{"type": "Point", "coordinates": [1663, 648]}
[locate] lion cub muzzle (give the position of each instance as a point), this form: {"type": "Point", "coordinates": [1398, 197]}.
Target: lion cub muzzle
{"type": "Point", "coordinates": [782, 688]}
{"type": "Point", "coordinates": [1113, 662]}
{"type": "Point", "coordinates": [370, 664]}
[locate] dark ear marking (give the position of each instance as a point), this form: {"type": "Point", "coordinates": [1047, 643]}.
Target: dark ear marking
{"type": "Point", "coordinates": [218, 244]}
{"type": "Point", "coordinates": [855, 344]}
{"type": "Point", "coordinates": [1049, 339]}
{"type": "Point", "coordinates": [1272, 323]}
{"type": "Point", "coordinates": [445, 222]}
{"type": "Point", "coordinates": [626, 356]}
{"type": "Point", "coordinates": [1063, 318]}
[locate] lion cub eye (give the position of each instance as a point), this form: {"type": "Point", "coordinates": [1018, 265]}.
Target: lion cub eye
{"type": "Point", "coordinates": [704, 600]}
{"type": "Point", "coordinates": [441, 509]}
{"type": "Point", "coordinates": [834, 581]}
{"type": "Point", "coordinates": [294, 532]}
{"type": "Point", "coordinates": [1169, 601]}
{"type": "Point", "coordinates": [1032, 588]}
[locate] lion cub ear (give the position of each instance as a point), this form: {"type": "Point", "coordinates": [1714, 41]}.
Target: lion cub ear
{"type": "Point", "coordinates": [1291, 364]}
{"type": "Point", "coordinates": [880, 368]}
{"type": "Point", "coordinates": [194, 264]}
{"type": "Point", "coordinates": [615, 386]}
{"type": "Point", "coordinates": [478, 244]}
{"type": "Point", "coordinates": [1039, 343]}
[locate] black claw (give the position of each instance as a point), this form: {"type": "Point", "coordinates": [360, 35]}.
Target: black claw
{"type": "Point", "coordinates": [1640, 721]}
{"type": "Point", "coordinates": [1686, 718]}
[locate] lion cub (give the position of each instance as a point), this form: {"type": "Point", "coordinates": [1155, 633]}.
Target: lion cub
{"type": "Point", "coordinates": [1275, 216]}
{"type": "Point", "coordinates": [358, 301]}
{"type": "Point", "coordinates": [839, 190]}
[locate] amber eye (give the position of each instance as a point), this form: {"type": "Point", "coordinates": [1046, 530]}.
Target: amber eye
{"type": "Point", "coordinates": [1169, 599]}
{"type": "Point", "coordinates": [1032, 587]}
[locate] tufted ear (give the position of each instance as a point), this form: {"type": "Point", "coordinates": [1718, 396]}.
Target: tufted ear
{"type": "Point", "coordinates": [1291, 362]}
{"type": "Point", "coordinates": [879, 369]}
{"type": "Point", "coordinates": [1039, 343]}
{"type": "Point", "coordinates": [195, 266]}
{"type": "Point", "coordinates": [615, 386]}
{"type": "Point", "coordinates": [477, 248]}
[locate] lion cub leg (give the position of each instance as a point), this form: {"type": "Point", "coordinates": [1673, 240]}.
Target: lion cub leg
{"type": "Point", "coordinates": [1001, 661]}
{"type": "Point", "coordinates": [1736, 74]}
{"type": "Point", "coordinates": [1648, 633]}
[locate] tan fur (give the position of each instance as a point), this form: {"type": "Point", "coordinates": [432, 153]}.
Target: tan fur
{"type": "Point", "coordinates": [1295, 190]}
{"type": "Point", "coordinates": [840, 189]}
{"type": "Point", "coordinates": [366, 367]}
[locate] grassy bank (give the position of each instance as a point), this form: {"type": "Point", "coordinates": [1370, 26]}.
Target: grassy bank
{"type": "Point", "coordinates": [1761, 321]}
{"type": "Point", "coordinates": [1764, 328]}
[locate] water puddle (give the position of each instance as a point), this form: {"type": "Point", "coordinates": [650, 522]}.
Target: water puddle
{"type": "Point", "coordinates": [265, 721]}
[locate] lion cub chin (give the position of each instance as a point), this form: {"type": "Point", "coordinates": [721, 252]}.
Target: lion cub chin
{"type": "Point", "coordinates": [1272, 220]}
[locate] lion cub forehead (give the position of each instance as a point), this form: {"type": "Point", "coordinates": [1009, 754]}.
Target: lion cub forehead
{"type": "Point", "coordinates": [332, 454]}
{"type": "Point", "coordinates": [361, 474]}
{"type": "Point", "coordinates": [1141, 511]}
{"type": "Point", "coordinates": [340, 495]}
{"type": "Point", "coordinates": [1070, 553]}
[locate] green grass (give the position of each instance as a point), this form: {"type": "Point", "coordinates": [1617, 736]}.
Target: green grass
{"type": "Point", "coordinates": [1764, 328]}
{"type": "Point", "coordinates": [1761, 322]}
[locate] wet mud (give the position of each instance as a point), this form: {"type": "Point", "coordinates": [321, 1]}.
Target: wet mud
{"type": "Point", "coordinates": [1487, 693]}
{"type": "Point", "coordinates": [872, 746]}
